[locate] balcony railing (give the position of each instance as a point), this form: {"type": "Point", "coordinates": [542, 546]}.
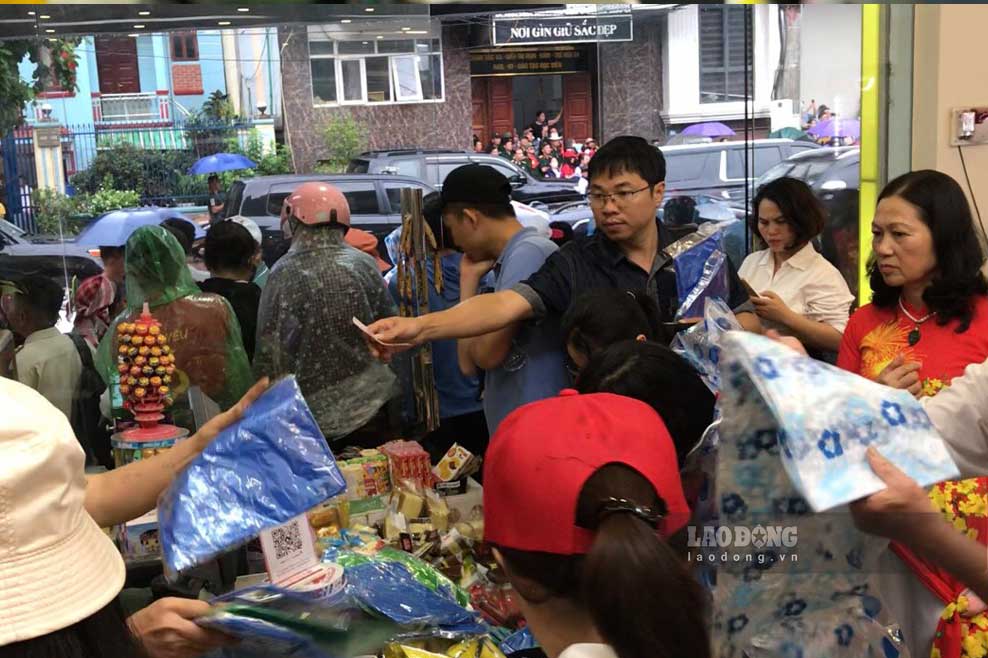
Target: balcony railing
{"type": "Point", "coordinates": [149, 107]}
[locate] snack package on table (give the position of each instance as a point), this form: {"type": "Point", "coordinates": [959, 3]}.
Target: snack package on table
{"type": "Point", "coordinates": [792, 442]}
{"type": "Point", "coordinates": [497, 603]}
{"type": "Point", "coordinates": [270, 466]}
{"type": "Point", "coordinates": [409, 461]}
{"type": "Point", "coordinates": [367, 475]}
{"type": "Point", "coordinates": [458, 462]}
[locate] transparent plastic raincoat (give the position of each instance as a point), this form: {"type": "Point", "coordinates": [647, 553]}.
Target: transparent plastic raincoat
{"type": "Point", "coordinates": [201, 328]}
{"type": "Point", "coordinates": [305, 328]}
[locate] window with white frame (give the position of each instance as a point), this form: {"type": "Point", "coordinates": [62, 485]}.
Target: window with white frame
{"type": "Point", "coordinates": [374, 71]}
{"type": "Point", "coordinates": [722, 53]}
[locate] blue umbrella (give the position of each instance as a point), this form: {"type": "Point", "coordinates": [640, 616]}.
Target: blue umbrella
{"type": "Point", "coordinates": [112, 229]}
{"type": "Point", "coordinates": [212, 164]}
{"type": "Point", "coordinates": [708, 129]}
{"type": "Point", "coordinates": [837, 128]}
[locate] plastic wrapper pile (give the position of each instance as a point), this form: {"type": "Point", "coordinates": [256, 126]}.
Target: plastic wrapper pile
{"type": "Point", "coordinates": [387, 599]}
{"type": "Point", "coordinates": [268, 467]}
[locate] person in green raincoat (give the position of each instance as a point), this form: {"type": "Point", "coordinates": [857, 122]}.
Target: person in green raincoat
{"type": "Point", "coordinates": [202, 329]}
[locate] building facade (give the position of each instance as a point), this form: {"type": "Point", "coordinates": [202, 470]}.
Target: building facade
{"type": "Point", "coordinates": [408, 87]}
{"type": "Point", "coordinates": [607, 70]}
{"type": "Point", "coordinates": [162, 78]}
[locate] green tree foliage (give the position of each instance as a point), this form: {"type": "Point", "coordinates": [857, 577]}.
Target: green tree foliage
{"type": "Point", "coordinates": [14, 92]}
{"type": "Point", "coordinates": [345, 137]}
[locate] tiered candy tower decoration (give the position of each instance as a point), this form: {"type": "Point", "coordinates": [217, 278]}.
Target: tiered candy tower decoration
{"type": "Point", "coordinates": [146, 365]}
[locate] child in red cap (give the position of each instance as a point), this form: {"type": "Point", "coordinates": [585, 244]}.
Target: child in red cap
{"type": "Point", "coordinates": [581, 493]}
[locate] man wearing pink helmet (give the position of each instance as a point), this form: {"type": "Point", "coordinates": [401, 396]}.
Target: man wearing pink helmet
{"type": "Point", "coordinates": [305, 327]}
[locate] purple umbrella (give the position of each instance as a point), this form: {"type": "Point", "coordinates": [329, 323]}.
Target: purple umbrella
{"type": "Point", "coordinates": [837, 128]}
{"type": "Point", "coordinates": [708, 129]}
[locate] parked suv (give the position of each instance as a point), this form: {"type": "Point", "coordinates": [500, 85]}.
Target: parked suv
{"type": "Point", "coordinates": [434, 166]}
{"type": "Point", "coordinates": [375, 203]}
{"type": "Point", "coordinates": [718, 169]}
{"type": "Point", "coordinates": [55, 260]}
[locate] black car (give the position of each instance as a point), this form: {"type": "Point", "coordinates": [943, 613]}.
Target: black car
{"type": "Point", "coordinates": [818, 167]}
{"type": "Point", "coordinates": [717, 169]}
{"type": "Point", "coordinates": [434, 166]}
{"type": "Point", "coordinates": [58, 261]}
{"type": "Point", "coordinates": [375, 203]}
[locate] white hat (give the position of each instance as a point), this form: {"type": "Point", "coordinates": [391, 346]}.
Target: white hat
{"type": "Point", "coordinates": [58, 566]}
{"type": "Point", "coordinates": [251, 226]}
{"type": "Point", "coordinates": [554, 136]}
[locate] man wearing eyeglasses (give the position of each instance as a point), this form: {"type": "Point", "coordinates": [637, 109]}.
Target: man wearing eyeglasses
{"type": "Point", "coordinates": [627, 184]}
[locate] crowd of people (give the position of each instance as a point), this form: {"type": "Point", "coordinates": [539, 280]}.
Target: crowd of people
{"type": "Point", "coordinates": [540, 150]}
{"type": "Point", "coordinates": [585, 496]}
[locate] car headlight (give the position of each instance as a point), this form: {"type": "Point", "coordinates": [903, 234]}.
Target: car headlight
{"type": "Point", "coordinates": [833, 185]}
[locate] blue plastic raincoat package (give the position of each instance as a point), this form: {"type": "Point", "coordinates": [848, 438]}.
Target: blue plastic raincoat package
{"type": "Point", "coordinates": [260, 639]}
{"type": "Point", "coordinates": [701, 270]}
{"type": "Point", "coordinates": [520, 641]}
{"type": "Point", "coordinates": [270, 466]}
{"type": "Point", "coordinates": [793, 572]}
{"type": "Point", "coordinates": [389, 589]}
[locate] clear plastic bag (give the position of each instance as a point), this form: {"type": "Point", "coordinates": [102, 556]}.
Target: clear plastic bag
{"type": "Point", "coordinates": [270, 466]}
{"type": "Point", "coordinates": [700, 344]}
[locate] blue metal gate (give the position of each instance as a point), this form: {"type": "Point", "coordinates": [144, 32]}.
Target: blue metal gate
{"type": "Point", "coordinates": [19, 178]}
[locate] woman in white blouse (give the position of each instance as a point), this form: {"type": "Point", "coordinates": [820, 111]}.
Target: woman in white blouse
{"type": "Point", "coordinates": [798, 291]}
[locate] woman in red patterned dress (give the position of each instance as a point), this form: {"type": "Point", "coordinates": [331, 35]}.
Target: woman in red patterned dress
{"type": "Point", "coordinates": [928, 320]}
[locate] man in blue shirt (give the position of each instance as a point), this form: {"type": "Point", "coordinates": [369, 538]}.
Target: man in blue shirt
{"type": "Point", "coordinates": [523, 362]}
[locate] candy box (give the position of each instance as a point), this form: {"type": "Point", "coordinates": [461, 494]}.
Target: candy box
{"type": "Point", "coordinates": [139, 538]}
{"type": "Point", "coordinates": [454, 463]}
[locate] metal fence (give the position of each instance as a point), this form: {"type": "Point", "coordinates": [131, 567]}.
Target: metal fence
{"type": "Point", "coordinates": [167, 149]}
{"type": "Point", "coordinates": [19, 178]}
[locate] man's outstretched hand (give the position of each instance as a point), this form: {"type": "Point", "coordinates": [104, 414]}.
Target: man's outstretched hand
{"type": "Point", "coordinates": [392, 336]}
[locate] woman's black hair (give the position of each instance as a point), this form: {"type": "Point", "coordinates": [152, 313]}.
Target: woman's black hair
{"type": "Point", "coordinates": [660, 378]}
{"type": "Point", "coordinates": [601, 317]}
{"type": "Point", "coordinates": [101, 635]}
{"type": "Point", "coordinates": [229, 246]}
{"type": "Point", "coordinates": [798, 205]}
{"type": "Point", "coordinates": [637, 590]}
{"type": "Point", "coordinates": [959, 255]}
{"type": "Point", "coordinates": [183, 231]}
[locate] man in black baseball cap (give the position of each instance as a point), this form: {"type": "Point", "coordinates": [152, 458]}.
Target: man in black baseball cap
{"type": "Point", "coordinates": [523, 363]}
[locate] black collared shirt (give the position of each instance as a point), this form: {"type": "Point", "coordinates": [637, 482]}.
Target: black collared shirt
{"type": "Point", "coordinates": [597, 262]}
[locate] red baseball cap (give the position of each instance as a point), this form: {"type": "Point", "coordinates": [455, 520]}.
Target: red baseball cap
{"type": "Point", "coordinates": [542, 455]}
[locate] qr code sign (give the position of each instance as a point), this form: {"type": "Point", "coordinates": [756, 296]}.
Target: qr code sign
{"type": "Point", "coordinates": [289, 549]}
{"type": "Point", "coordinates": [287, 540]}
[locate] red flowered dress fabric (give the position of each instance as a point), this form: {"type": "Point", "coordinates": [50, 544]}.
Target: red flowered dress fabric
{"type": "Point", "coordinates": [874, 337]}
